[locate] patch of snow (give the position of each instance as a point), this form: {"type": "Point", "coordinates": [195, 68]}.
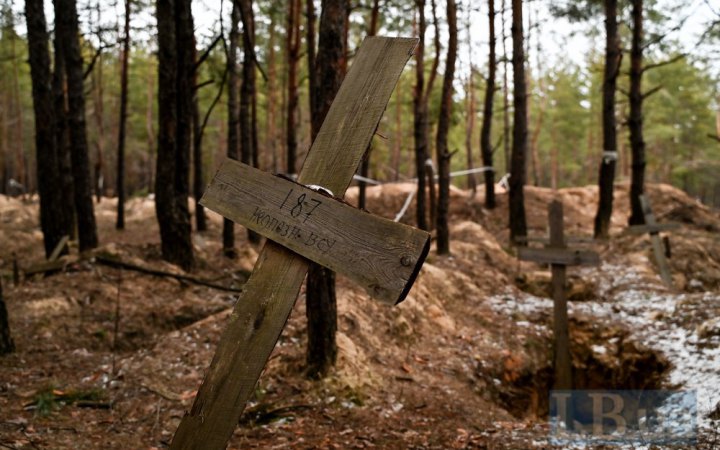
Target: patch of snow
{"type": "Point", "coordinates": [647, 309]}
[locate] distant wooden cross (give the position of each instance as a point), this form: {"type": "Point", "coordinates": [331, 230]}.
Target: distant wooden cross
{"type": "Point", "coordinates": [559, 257]}
{"type": "Point", "coordinates": [654, 228]}
{"type": "Point", "coordinates": [305, 221]}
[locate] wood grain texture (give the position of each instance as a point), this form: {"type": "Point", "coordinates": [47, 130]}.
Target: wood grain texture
{"type": "Point", "coordinates": [657, 246]}
{"type": "Point", "coordinates": [564, 256]}
{"type": "Point", "coordinates": [262, 310]}
{"type": "Point", "coordinates": [377, 253]}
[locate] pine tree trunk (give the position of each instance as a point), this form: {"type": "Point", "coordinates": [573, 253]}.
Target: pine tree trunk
{"type": "Point", "coordinates": [441, 146]}
{"type": "Point", "coordinates": [66, 29]}
{"type": "Point", "coordinates": [62, 139]}
{"type": "Point", "coordinates": [486, 131]}
{"type": "Point", "coordinates": [506, 93]}
{"type": "Point", "coordinates": [233, 121]}
{"type": "Point", "coordinates": [6, 341]}
{"type": "Point", "coordinates": [635, 121]}
{"type": "Point", "coordinates": [22, 173]}
{"type": "Point", "coordinates": [320, 293]}
{"type": "Point", "coordinates": [120, 181]}
{"type": "Point", "coordinates": [517, 222]}
{"type": "Point", "coordinates": [420, 119]}
{"type": "Point", "coordinates": [606, 178]}
{"type": "Point", "coordinates": [198, 177]}
{"type": "Point", "coordinates": [311, 56]}
{"type": "Point", "coordinates": [99, 116]}
{"type": "Point", "coordinates": [271, 122]}
{"type": "Point", "coordinates": [293, 56]}
{"type": "Point", "coordinates": [53, 220]}
{"type": "Point", "coordinates": [150, 128]}
{"type": "Point", "coordinates": [175, 41]}
{"type": "Point", "coordinates": [470, 126]}
{"type": "Point", "coordinates": [248, 121]}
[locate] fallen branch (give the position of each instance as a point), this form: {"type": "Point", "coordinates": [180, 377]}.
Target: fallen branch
{"type": "Point", "coordinates": [59, 248]}
{"type": "Point", "coordinates": [45, 267]}
{"type": "Point", "coordinates": [114, 261]}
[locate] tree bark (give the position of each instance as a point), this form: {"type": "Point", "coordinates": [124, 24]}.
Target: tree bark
{"type": "Point", "coordinates": [311, 54]}
{"type": "Point", "coordinates": [635, 121]}
{"type": "Point", "coordinates": [62, 139]}
{"type": "Point", "coordinates": [506, 93]}
{"type": "Point", "coordinates": [197, 141]}
{"type": "Point", "coordinates": [420, 118]}
{"type": "Point", "coordinates": [606, 177]}
{"type": "Point", "coordinates": [53, 220]}
{"type": "Point", "coordinates": [248, 120]}
{"type": "Point", "coordinates": [175, 41]}
{"type": "Point", "coordinates": [517, 222]}
{"type": "Point", "coordinates": [99, 116]}
{"type": "Point", "coordinates": [470, 125]}
{"type": "Point", "coordinates": [321, 307]}
{"type": "Point", "coordinates": [486, 131]}
{"type": "Point", "coordinates": [120, 181]}
{"type": "Point", "coordinates": [233, 121]}
{"type": "Point", "coordinates": [271, 122]}
{"type": "Point", "coordinates": [22, 173]}
{"type": "Point", "coordinates": [293, 56]}
{"type": "Point", "coordinates": [66, 29]}
{"type": "Point", "coordinates": [441, 146]}
{"type": "Point", "coordinates": [6, 341]}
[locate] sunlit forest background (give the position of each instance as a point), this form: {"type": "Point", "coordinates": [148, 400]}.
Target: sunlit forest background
{"type": "Point", "coordinates": [682, 119]}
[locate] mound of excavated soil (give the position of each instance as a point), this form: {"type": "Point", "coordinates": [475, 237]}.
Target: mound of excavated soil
{"type": "Point", "coordinates": [447, 368]}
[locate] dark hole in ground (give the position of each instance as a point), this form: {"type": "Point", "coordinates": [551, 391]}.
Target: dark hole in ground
{"type": "Point", "coordinates": [539, 284]}
{"type": "Point", "coordinates": [602, 358]}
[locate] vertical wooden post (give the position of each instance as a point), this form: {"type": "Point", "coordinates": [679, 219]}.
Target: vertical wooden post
{"type": "Point", "coordinates": [563, 368]}
{"type": "Point", "coordinates": [658, 249]}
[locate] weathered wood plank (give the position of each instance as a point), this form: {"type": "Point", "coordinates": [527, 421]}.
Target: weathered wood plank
{"type": "Point", "coordinates": [59, 248]}
{"type": "Point", "coordinates": [261, 312]}
{"type": "Point", "coordinates": [655, 228]}
{"type": "Point", "coordinates": [567, 257]}
{"type": "Point", "coordinates": [562, 361]}
{"type": "Point", "coordinates": [658, 250]}
{"type": "Point", "coordinates": [377, 253]}
{"type": "Point", "coordinates": [546, 241]}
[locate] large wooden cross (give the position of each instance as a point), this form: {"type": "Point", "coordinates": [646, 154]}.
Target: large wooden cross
{"type": "Point", "coordinates": [654, 228]}
{"type": "Point", "coordinates": [305, 221]}
{"type": "Point", "coordinates": [559, 257]}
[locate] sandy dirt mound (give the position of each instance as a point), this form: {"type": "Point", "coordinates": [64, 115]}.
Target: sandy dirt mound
{"type": "Point", "coordinates": [450, 367]}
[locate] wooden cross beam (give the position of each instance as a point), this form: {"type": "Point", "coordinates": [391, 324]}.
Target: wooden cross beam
{"type": "Point", "coordinates": [546, 241]}
{"type": "Point", "coordinates": [312, 227]}
{"type": "Point", "coordinates": [654, 228]}
{"type": "Point", "coordinates": [559, 257]}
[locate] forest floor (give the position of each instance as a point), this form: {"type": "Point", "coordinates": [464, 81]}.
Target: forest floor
{"type": "Point", "coordinates": [111, 358]}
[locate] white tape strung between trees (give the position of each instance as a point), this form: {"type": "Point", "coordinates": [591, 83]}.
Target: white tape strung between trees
{"type": "Point", "coordinates": [409, 199]}
{"type": "Point", "coordinates": [406, 205]}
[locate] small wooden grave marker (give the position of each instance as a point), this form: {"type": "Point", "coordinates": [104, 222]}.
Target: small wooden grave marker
{"type": "Point", "coordinates": [559, 257]}
{"type": "Point", "coordinates": [302, 225]}
{"type": "Point", "coordinates": [654, 228]}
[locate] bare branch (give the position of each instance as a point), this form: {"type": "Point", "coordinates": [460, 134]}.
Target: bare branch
{"type": "Point", "coordinates": [663, 63]}
{"type": "Point", "coordinates": [652, 91]}
{"type": "Point", "coordinates": [203, 84]}
{"type": "Point", "coordinates": [713, 137]}
{"type": "Point", "coordinates": [96, 56]}
{"type": "Point", "coordinates": [216, 99]}
{"type": "Point", "coordinates": [206, 53]}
